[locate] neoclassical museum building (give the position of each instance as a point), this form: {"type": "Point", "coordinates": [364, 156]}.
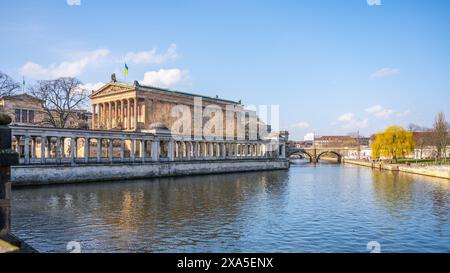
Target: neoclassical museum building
{"type": "Point", "coordinates": [137, 108]}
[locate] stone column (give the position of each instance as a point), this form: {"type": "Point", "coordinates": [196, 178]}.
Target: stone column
{"type": "Point", "coordinates": [206, 151]}
{"type": "Point", "coordinates": [135, 114]}
{"type": "Point", "coordinates": [122, 150]}
{"type": "Point", "coordinates": [104, 116]}
{"type": "Point", "coordinates": [128, 114]}
{"type": "Point", "coordinates": [99, 119]}
{"type": "Point", "coordinates": [49, 147]}
{"type": "Point", "coordinates": [26, 152]}
{"type": "Point", "coordinates": [122, 116]}
{"type": "Point", "coordinates": [18, 138]}
{"type": "Point", "coordinates": [43, 138]}
{"type": "Point", "coordinates": [180, 150]}
{"type": "Point", "coordinates": [114, 124]}
{"type": "Point", "coordinates": [155, 150]}
{"type": "Point", "coordinates": [86, 150]}
{"type": "Point", "coordinates": [283, 150]}
{"type": "Point", "coordinates": [216, 150]}
{"type": "Point", "coordinates": [143, 150]}
{"type": "Point", "coordinates": [222, 151]}
{"type": "Point", "coordinates": [201, 151]}
{"type": "Point", "coordinates": [59, 147]}
{"type": "Point", "coordinates": [93, 116]}
{"type": "Point", "coordinates": [73, 143]}
{"type": "Point", "coordinates": [110, 149]}
{"type": "Point", "coordinates": [117, 113]}
{"type": "Point", "coordinates": [211, 151]}
{"type": "Point", "coordinates": [235, 153]}
{"type": "Point", "coordinates": [171, 150]}
{"type": "Point", "coordinates": [133, 150]}
{"type": "Point", "coordinates": [195, 144]}
{"type": "Point", "coordinates": [109, 114]}
{"type": "Point", "coordinates": [100, 115]}
{"type": "Point", "coordinates": [188, 150]}
{"type": "Point", "coordinates": [33, 147]}
{"type": "Point", "coordinates": [99, 150]}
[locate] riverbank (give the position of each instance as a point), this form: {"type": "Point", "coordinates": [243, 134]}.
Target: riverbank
{"type": "Point", "coordinates": [433, 171]}
{"type": "Point", "coordinates": [32, 175]}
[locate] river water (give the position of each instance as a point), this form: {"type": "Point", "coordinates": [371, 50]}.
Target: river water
{"type": "Point", "coordinates": [323, 208]}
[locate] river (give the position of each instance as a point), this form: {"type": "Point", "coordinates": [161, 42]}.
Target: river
{"type": "Point", "coordinates": [322, 208]}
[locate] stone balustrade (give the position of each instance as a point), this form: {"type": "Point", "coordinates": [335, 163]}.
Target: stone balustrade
{"type": "Point", "coordinates": [40, 146]}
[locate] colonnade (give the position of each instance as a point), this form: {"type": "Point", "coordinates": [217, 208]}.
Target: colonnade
{"type": "Point", "coordinates": [123, 113]}
{"type": "Point", "coordinates": [68, 146]}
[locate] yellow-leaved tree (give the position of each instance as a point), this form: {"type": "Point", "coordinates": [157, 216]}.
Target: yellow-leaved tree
{"type": "Point", "coordinates": [395, 142]}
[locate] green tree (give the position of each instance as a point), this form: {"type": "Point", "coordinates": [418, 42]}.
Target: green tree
{"type": "Point", "coordinates": [395, 142]}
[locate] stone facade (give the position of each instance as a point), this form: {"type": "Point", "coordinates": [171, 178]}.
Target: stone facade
{"type": "Point", "coordinates": [25, 109]}
{"type": "Point", "coordinates": [133, 107]}
{"type": "Point", "coordinates": [41, 175]}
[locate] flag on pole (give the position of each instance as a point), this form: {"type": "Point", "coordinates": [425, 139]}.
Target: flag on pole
{"type": "Point", "coordinates": [126, 71]}
{"type": "Point", "coordinates": [24, 85]}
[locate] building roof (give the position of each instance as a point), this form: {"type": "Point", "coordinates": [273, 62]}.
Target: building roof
{"type": "Point", "coordinates": [167, 91]}
{"type": "Point", "coordinates": [23, 96]}
{"type": "Point", "coordinates": [335, 138]}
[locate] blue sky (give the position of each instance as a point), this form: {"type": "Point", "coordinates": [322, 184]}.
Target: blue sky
{"type": "Point", "coordinates": [333, 66]}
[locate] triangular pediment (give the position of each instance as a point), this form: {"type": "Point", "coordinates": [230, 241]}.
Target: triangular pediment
{"type": "Point", "coordinates": [110, 89]}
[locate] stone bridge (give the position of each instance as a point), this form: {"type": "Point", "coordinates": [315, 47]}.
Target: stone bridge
{"type": "Point", "coordinates": [314, 154]}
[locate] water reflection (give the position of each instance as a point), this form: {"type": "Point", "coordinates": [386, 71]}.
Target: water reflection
{"type": "Point", "coordinates": [326, 208]}
{"type": "Point", "coordinates": [393, 190]}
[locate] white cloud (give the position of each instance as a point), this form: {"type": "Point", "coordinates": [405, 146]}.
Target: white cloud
{"type": "Point", "coordinates": [346, 117]}
{"type": "Point", "coordinates": [300, 125]}
{"type": "Point", "coordinates": [92, 86]}
{"type": "Point", "coordinates": [64, 69]}
{"type": "Point", "coordinates": [374, 2]}
{"type": "Point", "coordinates": [379, 111]}
{"type": "Point", "coordinates": [356, 124]}
{"type": "Point", "coordinates": [165, 77]}
{"type": "Point", "coordinates": [348, 121]}
{"type": "Point", "coordinates": [74, 2]}
{"type": "Point", "coordinates": [152, 56]}
{"type": "Point", "coordinates": [403, 114]}
{"type": "Point", "coordinates": [385, 72]}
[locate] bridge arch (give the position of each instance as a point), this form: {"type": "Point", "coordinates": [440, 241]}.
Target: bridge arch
{"type": "Point", "coordinates": [304, 154]}
{"type": "Point", "coordinates": [339, 156]}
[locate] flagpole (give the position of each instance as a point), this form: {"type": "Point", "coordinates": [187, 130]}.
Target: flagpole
{"type": "Point", "coordinates": [23, 85]}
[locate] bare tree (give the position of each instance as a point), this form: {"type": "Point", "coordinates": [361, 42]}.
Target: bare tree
{"type": "Point", "coordinates": [417, 128]}
{"type": "Point", "coordinates": [423, 140]}
{"type": "Point", "coordinates": [60, 99]}
{"type": "Point", "coordinates": [8, 86]}
{"type": "Point", "coordinates": [440, 135]}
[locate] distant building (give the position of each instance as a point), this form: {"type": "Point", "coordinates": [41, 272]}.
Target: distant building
{"type": "Point", "coordinates": [336, 141]}
{"type": "Point", "coordinates": [23, 109]}
{"type": "Point", "coordinates": [300, 144]}
{"type": "Point", "coordinates": [26, 110]}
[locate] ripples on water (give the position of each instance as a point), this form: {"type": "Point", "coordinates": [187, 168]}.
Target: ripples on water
{"type": "Point", "coordinates": [329, 208]}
